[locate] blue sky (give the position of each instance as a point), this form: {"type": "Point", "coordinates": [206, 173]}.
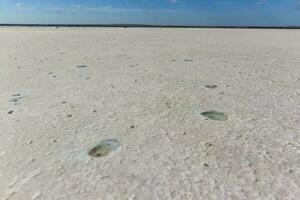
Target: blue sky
{"type": "Point", "coordinates": [161, 12]}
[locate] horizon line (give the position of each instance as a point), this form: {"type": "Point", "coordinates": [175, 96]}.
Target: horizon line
{"type": "Point", "coordinates": [148, 26]}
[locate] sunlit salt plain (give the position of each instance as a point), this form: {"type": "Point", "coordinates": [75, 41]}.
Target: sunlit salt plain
{"type": "Point", "coordinates": [149, 113]}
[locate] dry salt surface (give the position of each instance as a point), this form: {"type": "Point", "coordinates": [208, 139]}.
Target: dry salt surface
{"type": "Point", "coordinates": [114, 113]}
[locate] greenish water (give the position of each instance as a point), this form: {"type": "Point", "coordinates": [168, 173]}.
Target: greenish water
{"type": "Point", "coordinates": [211, 86]}
{"type": "Point", "coordinates": [104, 148]}
{"type": "Point", "coordinates": [81, 66]}
{"type": "Point", "coordinates": [215, 115]}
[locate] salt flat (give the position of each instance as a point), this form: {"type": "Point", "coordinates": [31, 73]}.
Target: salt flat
{"type": "Point", "coordinates": [148, 92]}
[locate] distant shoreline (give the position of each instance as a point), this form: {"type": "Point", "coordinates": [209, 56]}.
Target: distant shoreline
{"type": "Point", "coordinates": [146, 26]}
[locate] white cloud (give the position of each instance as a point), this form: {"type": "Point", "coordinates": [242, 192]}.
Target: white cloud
{"type": "Point", "coordinates": [20, 5]}
{"type": "Point", "coordinates": [24, 7]}
{"type": "Point", "coordinates": [76, 6]}
{"type": "Point", "coordinates": [224, 2]}
{"type": "Point", "coordinates": [174, 1]}
{"type": "Point", "coordinates": [259, 2]}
